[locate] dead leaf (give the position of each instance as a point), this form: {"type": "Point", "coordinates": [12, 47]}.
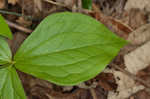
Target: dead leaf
{"type": "Point", "coordinates": [66, 2]}
{"type": "Point", "coordinates": [37, 6]}
{"type": "Point", "coordinates": [142, 94]}
{"type": "Point", "coordinates": [126, 86]}
{"type": "Point", "coordinates": [144, 74]}
{"type": "Point", "coordinates": [137, 18]}
{"type": "Point", "coordinates": [2, 4]}
{"type": "Point", "coordinates": [100, 93]}
{"type": "Point", "coordinates": [121, 29]}
{"type": "Point", "coordinates": [138, 59]}
{"type": "Point", "coordinates": [119, 60]}
{"type": "Point", "coordinates": [141, 4]}
{"type": "Point", "coordinates": [140, 36]}
{"type": "Point", "coordinates": [107, 81]}
{"type": "Point", "coordinates": [13, 2]}
{"type": "Point", "coordinates": [117, 26]}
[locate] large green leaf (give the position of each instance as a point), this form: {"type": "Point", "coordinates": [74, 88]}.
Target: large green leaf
{"type": "Point", "coordinates": [10, 85]}
{"type": "Point", "coordinates": [4, 29]}
{"type": "Point", "coordinates": [5, 53]}
{"type": "Point", "coordinates": [68, 48]}
{"type": "Point", "coordinates": [87, 4]}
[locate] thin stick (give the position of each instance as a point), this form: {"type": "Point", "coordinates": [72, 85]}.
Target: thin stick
{"type": "Point", "coordinates": [132, 75]}
{"type": "Point", "coordinates": [26, 30]}
{"type": "Point", "coordinates": [16, 14]}
{"type": "Point", "coordinates": [55, 3]}
{"type": "Point", "coordinates": [93, 93]}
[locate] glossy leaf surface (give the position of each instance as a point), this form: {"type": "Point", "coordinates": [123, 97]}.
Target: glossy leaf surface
{"type": "Point", "coordinates": [68, 48]}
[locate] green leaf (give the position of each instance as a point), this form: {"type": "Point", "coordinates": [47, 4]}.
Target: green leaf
{"type": "Point", "coordinates": [68, 48]}
{"type": "Point", "coordinates": [5, 53]}
{"type": "Point", "coordinates": [4, 29]}
{"type": "Point", "coordinates": [10, 85]}
{"type": "Point", "coordinates": [87, 4]}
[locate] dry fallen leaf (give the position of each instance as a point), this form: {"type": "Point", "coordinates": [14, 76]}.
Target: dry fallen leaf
{"type": "Point", "coordinates": [117, 26]}
{"type": "Point", "coordinates": [37, 6]}
{"type": "Point", "coordinates": [144, 74]}
{"type": "Point", "coordinates": [143, 94]}
{"type": "Point", "coordinates": [137, 18]}
{"type": "Point", "coordinates": [66, 2]}
{"type": "Point", "coordinates": [140, 36]}
{"type": "Point", "coordinates": [126, 86]}
{"type": "Point", "coordinates": [138, 59]}
{"type": "Point", "coordinates": [137, 4]}
{"type": "Point", "coordinates": [13, 2]}
{"type": "Point", "coordinates": [2, 4]}
{"type": "Point", "coordinates": [107, 81]}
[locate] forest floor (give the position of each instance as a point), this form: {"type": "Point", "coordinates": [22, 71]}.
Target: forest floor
{"type": "Point", "coordinates": [127, 77]}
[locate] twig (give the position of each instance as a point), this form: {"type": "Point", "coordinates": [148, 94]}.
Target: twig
{"type": "Point", "coordinates": [26, 30]}
{"type": "Point", "coordinates": [16, 14]}
{"type": "Point", "coordinates": [55, 3]}
{"type": "Point", "coordinates": [132, 75]}
{"type": "Point", "coordinates": [93, 93]}
{"type": "Point", "coordinates": [49, 96]}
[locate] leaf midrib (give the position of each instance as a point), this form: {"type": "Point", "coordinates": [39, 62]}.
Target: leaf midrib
{"type": "Point", "coordinates": [54, 36]}
{"type": "Point", "coordinates": [59, 51]}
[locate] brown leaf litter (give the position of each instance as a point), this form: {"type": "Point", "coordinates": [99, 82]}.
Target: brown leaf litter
{"type": "Point", "coordinates": [2, 4]}
{"type": "Point", "coordinates": [13, 2]}
{"type": "Point", "coordinates": [142, 94]}
{"type": "Point", "coordinates": [112, 83]}
{"type": "Point", "coordinates": [140, 57]}
{"type": "Point", "coordinates": [144, 74]}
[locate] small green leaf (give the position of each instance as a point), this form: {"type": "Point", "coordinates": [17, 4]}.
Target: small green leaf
{"type": "Point", "coordinates": [4, 29]}
{"type": "Point", "coordinates": [5, 53]}
{"type": "Point", "coordinates": [87, 4]}
{"type": "Point", "coordinates": [10, 85]}
{"type": "Point", "coordinates": [68, 48]}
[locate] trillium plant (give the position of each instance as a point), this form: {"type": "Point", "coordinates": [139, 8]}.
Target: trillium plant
{"type": "Point", "coordinates": [65, 49]}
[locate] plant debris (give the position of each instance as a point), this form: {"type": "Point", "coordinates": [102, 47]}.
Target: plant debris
{"type": "Point", "coordinates": [129, 19]}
